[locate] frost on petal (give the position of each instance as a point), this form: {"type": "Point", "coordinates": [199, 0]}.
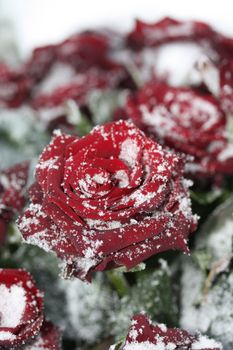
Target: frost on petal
{"type": "Point", "coordinates": [144, 335]}
{"type": "Point", "coordinates": [21, 306]}
{"type": "Point", "coordinates": [113, 197]}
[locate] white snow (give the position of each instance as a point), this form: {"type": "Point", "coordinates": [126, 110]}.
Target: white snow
{"type": "Point", "coordinates": [89, 306]}
{"type": "Point", "coordinates": [205, 71]}
{"type": "Point", "coordinates": [12, 305]}
{"type": "Point", "coordinates": [129, 152]}
{"type": "Point", "coordinates": [203, 343]}
{"type": "Point", "coordinates": [211, 312]}
{"type": "Point", "coordinates": [59, 75]}
{"type": "Point", "coordinates": [122, 177]}
{"type": "Point", "coordinates": [226, 153]}
{"type": "Point", "coordinates": [149, 346]}
{"type": "Point", "coordinates": [7, 335]}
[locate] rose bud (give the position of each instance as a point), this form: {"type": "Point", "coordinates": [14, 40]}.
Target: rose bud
{"type": "Point", "coordinates": [12, 185]}
{"type": "Point", "coordinates": [187, 121]}
{"type": "Point", "coordinates": [144, 335]}
{"type": "Point", "coordinates": [111, 198]}
{"type": "Point", "coordinates": [21, 308]}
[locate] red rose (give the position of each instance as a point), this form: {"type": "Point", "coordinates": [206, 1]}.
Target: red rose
{"type": "Point", "coordinates": [21, 308]}
{"type": "Point", "coordinates": [51, 106]}
{"type": "Point", "coordinates": [85, 49]}
{"type": "Point", "coordinates": [144, 335]}
{"type": "Point", "coordinates": [14, 87]}
{"type": "Point", "coordinates": [40, 62]}
{"type": "Point", "coordinates": [12, 200]}
{"type": "Point", "coordinates": [168, 30]}
{"type": "Point", "coordinates": [85, 60]}
{"type": "Point", "coordinates": [49, 338]}
{"type": "Point", "coordinates": [187, 121]}
{"type": "Point", "coordinates": [111, 198]}
{"type": "Point", "coordinates": [77, 89]}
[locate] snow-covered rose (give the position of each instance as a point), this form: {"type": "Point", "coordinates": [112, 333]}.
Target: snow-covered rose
{"type": "Point", "coordinates": [187, 121]}
{"type": "Point", "coordinates": [21, 308]}
{"type": "Point", "coordinates": [14, 87]}
{"type": "Point", "coordinates": [113, 197]}
{"type": "Point", "coordinates": [143, 335]}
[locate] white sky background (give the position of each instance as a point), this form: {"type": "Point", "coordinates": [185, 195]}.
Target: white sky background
{"type": "Point", "coordinates": [39, 22]}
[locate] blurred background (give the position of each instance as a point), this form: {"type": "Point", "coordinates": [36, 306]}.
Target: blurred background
{"type": "Point", "coordinates": [38, 22]}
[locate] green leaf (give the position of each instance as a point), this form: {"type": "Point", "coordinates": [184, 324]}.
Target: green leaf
{"type": "Point", "coordinates": [118, 281]}
{"type": "Point", "coordinates": [137, 268]}
{"type": "Point", "coordinates": [205, 198]}
{"type": "Point", "coordinates": [118, 345]}
{"type": "Point", "coordinates": [203, 259]}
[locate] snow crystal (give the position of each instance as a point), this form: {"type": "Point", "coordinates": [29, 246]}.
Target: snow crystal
{"type": "Point", "coordinates": [208, 313]}
{"type": "Point", "coordinates": [185, 206]}
{"type": "Point", "coordinates": [155, 119]}
{"type": "Point", "coordinates": [49, 163]}
{"type": "Point", "coordinates": [162, 326]}
{"type": "Point", "coordinates": [99, 178]}
{"type": "Point", "coordinates": [141, 198]}
{"type": "Point", "coordinates": [219, 227]}
{"type": "Point", "coordinates": [12, 305]}
{"type": "Point", "coordinates": [5, 335]}
{"type": "Point", "coordinates": [59, 75]}
{"type": "Point", "coordinates": [226, 153]}
{"type": "Point", "coordinates": [89, 306]}
{"type": "Point", "coordinates": [84, 264]}
{"type": "Point", "coordinates": [103, 225]}
{"type": "Point", "coordinates": [4, 181]}
{"type": "Point", "coordinates": [122, 177]}
{"type": "Point", "coordinates": [204, 342]}
{"type": "Point", "coordinates": [42, 240]}
{"type": "Point", "coordinates": [175, 60]}
{"type": "Point", "coordinates": [129, 152]}
{"type": "Point", "coordinates": [149, 346]}
{"type": "Point", "coordinates": [207, 72]}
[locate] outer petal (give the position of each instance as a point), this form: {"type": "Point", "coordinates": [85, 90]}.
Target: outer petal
{"type": "Point", "coordinates": [143, 333]}
{"type": "Point", "coordinates": [49, 338]}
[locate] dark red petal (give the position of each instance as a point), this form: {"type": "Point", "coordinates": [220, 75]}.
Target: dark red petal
{"type": "Point", "coordinates": [142, 331]}
{"type": "Point", "coordinates": [50, 156]}
{"type": "Point", "coordinates": [168, 30]}
{"type": "Point", "coordinates": [49, 338]}
{"type": "Point", "coordinates": [3, 230]}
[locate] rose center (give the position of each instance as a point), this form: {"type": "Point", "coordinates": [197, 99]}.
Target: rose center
{"type": "Point", "coordinates": [95, 182]}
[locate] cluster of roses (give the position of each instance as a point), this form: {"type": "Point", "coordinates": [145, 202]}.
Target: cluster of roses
{"type": "Point", "coordinates": [115, 197]}
{"type": "Point", "coordinates": [192, 120]}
